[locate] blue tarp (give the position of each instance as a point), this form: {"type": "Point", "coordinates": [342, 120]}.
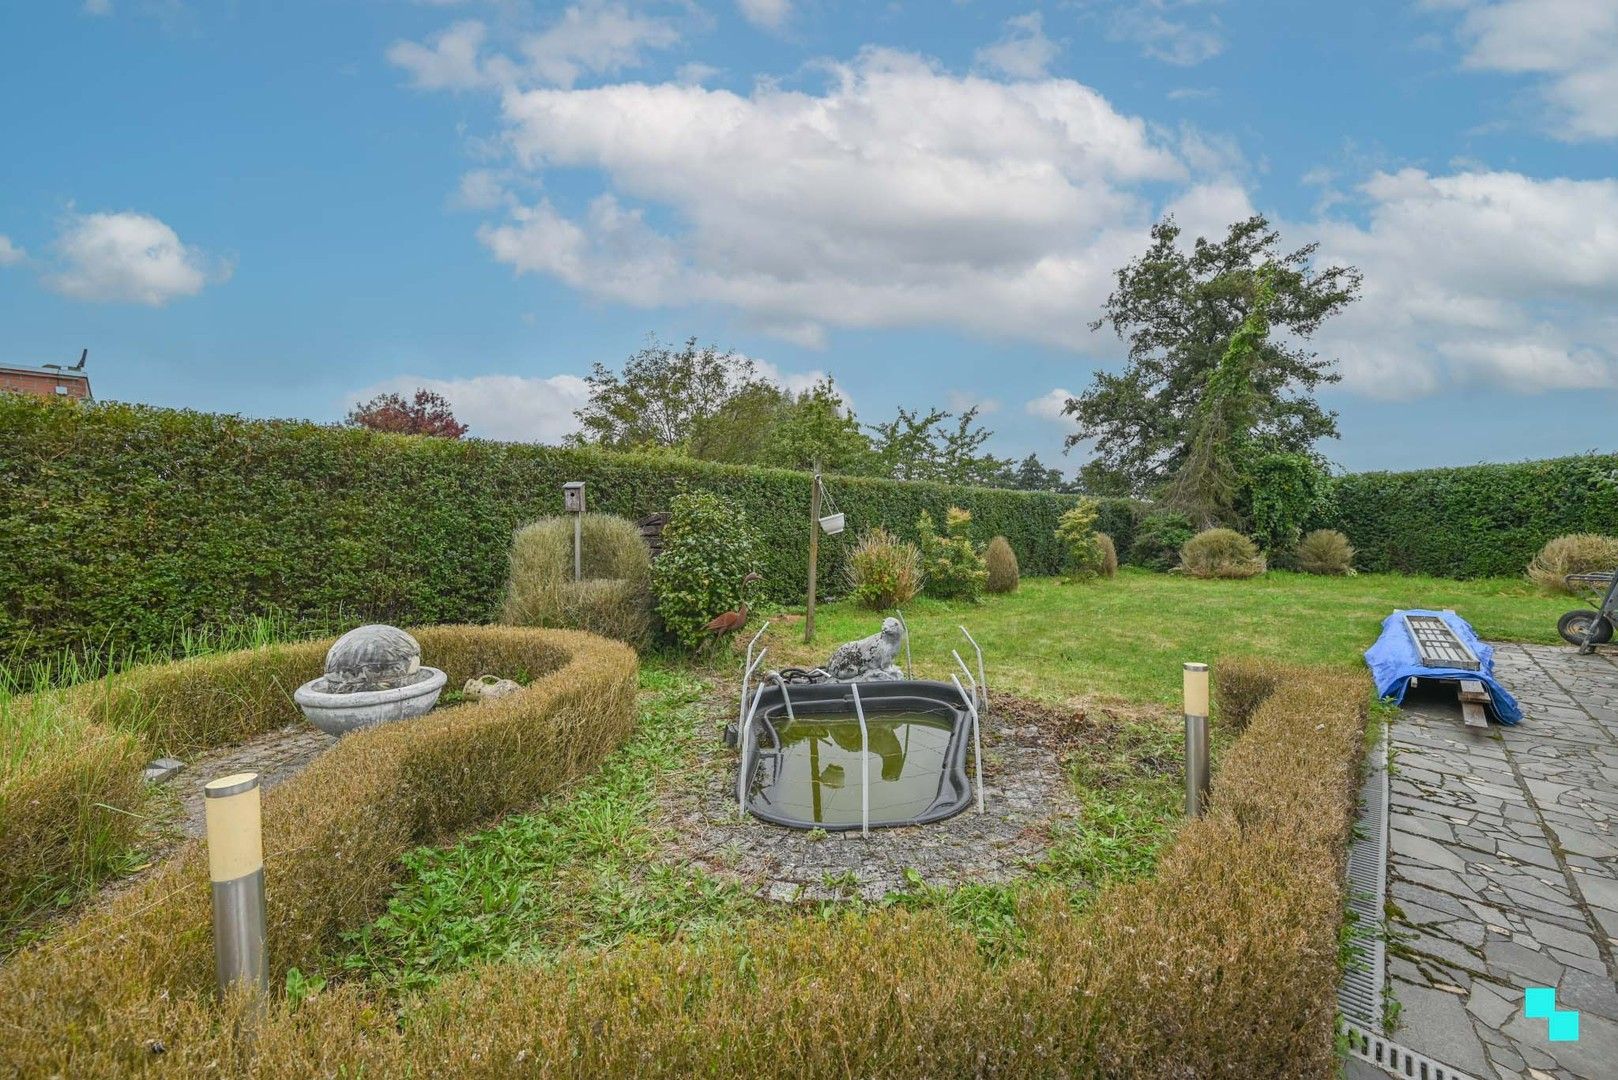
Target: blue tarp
{"type": "Point", "coordinates": [1394, 662]}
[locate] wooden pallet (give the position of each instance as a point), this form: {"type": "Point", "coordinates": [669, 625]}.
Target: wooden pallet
{"type": "Point", "coordinates": [1474, 696]}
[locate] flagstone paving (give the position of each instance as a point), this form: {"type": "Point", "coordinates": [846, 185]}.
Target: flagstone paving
{"type": "Point", "coordinates": [1503, 871]}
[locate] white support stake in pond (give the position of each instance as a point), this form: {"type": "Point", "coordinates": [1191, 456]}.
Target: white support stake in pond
{"type": "Point", "coordinates": [747, 669]}
{"type": "Point", "coordinates": [977, 741]}
{"type": "Point", "coordinates": [983, 680]}
{"type": "Point", "coordinates": [743, 734]}
{"type": "Point", "coordinates": [910, 665]}
{"type": "Point", "coordinates": [865, 764]}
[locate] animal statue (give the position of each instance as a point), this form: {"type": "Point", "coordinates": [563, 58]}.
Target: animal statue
{"type": "Point", "coordinates": [732, 621]}
{"type": "Point", "coordinates": [869, 658]}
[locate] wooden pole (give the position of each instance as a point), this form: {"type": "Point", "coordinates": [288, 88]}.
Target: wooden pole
{"type": "Point", "coordinates": [814, 555]}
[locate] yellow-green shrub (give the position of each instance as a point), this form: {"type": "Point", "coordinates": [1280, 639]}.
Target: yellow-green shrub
{"type": "Point", "coordinates": [1221, 553]}
{"type": "Point", "coordinates": [1224, 965]}
{"type": "Point", "coordinates": [883, 571]}
{"type": "Point", "coordinates": [1576, 553]}
{"type": "Point", "coordinates": [334, 833]}
{"type": "Point", "coordinates": [1001, 563]}
{"type": "Point", "coordinates": [1325, 551]}
{"type": "Point", "coordinates": [613, 597]}
{"type": "Point", "coordinates": [1108, 554]}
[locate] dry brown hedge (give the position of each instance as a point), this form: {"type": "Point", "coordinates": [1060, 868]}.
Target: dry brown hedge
{"type": "Point", "coordinates": [1223, 965]}
{"type": "Point", "coordinates": [1240, 686]}
{"type": "Point", "coordinates": [332, 835]}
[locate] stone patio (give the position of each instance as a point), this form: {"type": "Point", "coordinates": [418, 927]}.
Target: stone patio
{"type": "Point", "coordinates": [1503, 871]}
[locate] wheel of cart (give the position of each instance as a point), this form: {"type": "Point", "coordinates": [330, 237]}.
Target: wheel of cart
{"type": "Point", "coordinates": [1589, 627]}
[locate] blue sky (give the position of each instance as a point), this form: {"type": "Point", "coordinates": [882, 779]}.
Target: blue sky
{"type": "Point", "coordinates": [275, 209]}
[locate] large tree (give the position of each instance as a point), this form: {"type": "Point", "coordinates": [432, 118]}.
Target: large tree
{"type": "Point", "coordinates": [818, 425]}
{"type": "Point", "coordinates": [1178, 310]}
{"type": "Point", "coordinates": [425, 414]}
{"type": "Point", "coordinates": [666, 396]}
{"type": "Point", "coordinates": [923, 446]}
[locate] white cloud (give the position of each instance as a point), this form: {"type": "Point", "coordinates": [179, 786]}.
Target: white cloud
{"type": "Point", "coordinates": [131, 257]}
{"type": "Point", "coordinates": [793, 382]}
{"type": "Point", "coordinates": [695, 72]}
{"type": "Point", "coordinates": [1024, 52]}
{"type": "Point", "coordinates": [1489, 277]}
{"type": "Point", "coordinates": [900, 194]}
{"type": "Point", "coordinates": [513, 408]}
{"type": "Point", "coordinates": [595, 37]}
{"type": "Point", "coordinates": [481, 189]}
{"type": "Point", "coordinates": [1049, 405]}
{"type": "Point", "coordinates": [1572, 44]}
{"type": "Point", "coordinates": [1172, 40]}
{"type": "Point", "coordinates": [10, 254]}
{"type": "Point", "coordinates": [766, 14]}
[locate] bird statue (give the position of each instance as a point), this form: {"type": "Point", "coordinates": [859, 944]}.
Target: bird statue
{"type": "Point", "coordinates": [732, 621]}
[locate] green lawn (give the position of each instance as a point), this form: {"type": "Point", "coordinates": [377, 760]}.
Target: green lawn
{"type": "Point", "coordinates": [1127, 637]}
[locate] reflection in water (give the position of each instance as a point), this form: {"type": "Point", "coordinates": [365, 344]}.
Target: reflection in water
{"type": "Point", "coordinates": [814, 775]}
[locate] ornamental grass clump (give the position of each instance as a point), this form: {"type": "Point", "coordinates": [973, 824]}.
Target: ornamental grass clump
{"type": "Point", "coordinates": [1325, 551]}
{"type": "Point", "coordinates": [708, 549]}
{"type": "Point", "coordinates": [613, 597]}
{"type": "Point", "coordinates": [1108, 552]}
{"type": "Point", "coordinates": [1221, 553]}
{"type": "Point", "coordinates": [1576, 553]}
{"type": "Point", "coordinates": [951, 563]}
{"type": "Point", "coordinates": [1001, 562]}
{"type": "Point", "coordinates": [883, 571]}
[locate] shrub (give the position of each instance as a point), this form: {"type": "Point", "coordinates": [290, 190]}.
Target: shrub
{"type": "Point", "coordinates": [1001, 563]}
{"type": "Point", "coordinates": [613, 597]}
{"type": "Point", "coordinates": [952, 566]}
{"type": "Point", "coordinates": [883, 571]}
{"type": "Point", "coordinates": [1281, 493]}
{"type": "Point", "coordinates": [1221, 553]}
{"type": "Point", "coordinates": [334, 833]}
{"type": "Point", "coordinates": [1476, 521]}
{"type": "Point", "coordinates": [1576, 553]}
{"type": "Point", "coordinates": [337, 526]}
{"type": "Point", "coordinates": [1159, 538]}
{"type": "Point", "coordinates": [1109, 555]}
{"type": "Point", "coordinates": [1240, 685]}
{"type": "Point", "coordinates": [708, 549]}
{"type": "Point", "coordinates": [1224, 964]}
{"type": "Point", "coordinates": [1076, 530]}
{"type": "Point", "coordinates": [1325, 551]}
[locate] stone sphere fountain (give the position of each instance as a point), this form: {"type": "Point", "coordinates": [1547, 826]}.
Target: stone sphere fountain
{"type": "Point", "coordinates": [373, 675]}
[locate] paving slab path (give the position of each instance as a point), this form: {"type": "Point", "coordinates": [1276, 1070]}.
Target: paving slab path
{"type": "Point", "coordinates": [1503, 871]}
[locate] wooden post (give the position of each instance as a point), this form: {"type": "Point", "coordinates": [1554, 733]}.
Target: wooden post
{"type": "Point", "coordinates": [814, 555]}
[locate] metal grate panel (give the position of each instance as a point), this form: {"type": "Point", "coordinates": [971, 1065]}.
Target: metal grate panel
{"type": "Point", "coordinates": [1437, 644]}
{"type": "Point", "coordinates": [1359, 994]}
{"type": "Point", "coordinates": [1397, 1060]}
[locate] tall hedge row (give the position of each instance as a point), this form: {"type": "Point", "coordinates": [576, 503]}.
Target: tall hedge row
{"type": "Point", "coordinates": [121, 523]}
{"type": "Point", "coordinates": [1474, 521]}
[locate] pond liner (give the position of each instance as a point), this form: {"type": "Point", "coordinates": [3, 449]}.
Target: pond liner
{"type": "Point", "coordinates": [833, 703]}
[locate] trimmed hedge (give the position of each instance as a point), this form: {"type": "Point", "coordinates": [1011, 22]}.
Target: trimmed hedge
{"type": "Point", "coordinates": [1475, 521]}
{"type": "Point", "coordinates": [334, 833]}
{"type": "Point", "coordinates": [130, 522]}
{"type": "Point", "coordinates": [1224, 964]}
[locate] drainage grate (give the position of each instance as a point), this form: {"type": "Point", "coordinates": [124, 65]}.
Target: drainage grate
{"type": "Point", "coordinates": [1437, 644]}
{"type": "Point", "coordinates": [1359, 994]}
{"type": "Point", "coordinates": [1395, 1059]}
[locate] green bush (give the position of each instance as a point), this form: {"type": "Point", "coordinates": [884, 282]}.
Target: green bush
{"type": "Point", "coordinates": [883, 571]}
{"type": "Point", "coordinates": [708, 549]}
{"type": "Point", "coordinates": [951, 564]}
{"type": "Point", "coordinates": [1001, 563]}
{"type": "Point", "coordinates": [1108, 554]}
{"type": "Point", "coordinates": [1223, 964]}
{"type": "Point", "coordinates": [1325, 551]}
{"type": "Point", "coordinates": [1158, 540]}
{"type": "Point", "coordinates": [333, 834]}
{"type": "Point", "coordinates": [613, 597]}
{"type": "Point", "coordinates": [1221, 553]}
{"type": "Point", "coordinates": [1476, 521]}
{"type": "Point", "coordinates": [1577, 553]}
{"type": "Point", "coordinates": [138, 522]}
{"type": "Point", "coordinates": [1085, 555]}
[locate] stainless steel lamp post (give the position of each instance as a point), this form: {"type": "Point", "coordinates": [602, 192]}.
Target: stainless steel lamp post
{"type": "Point", "coordinates": [1196, 739]}
{"type": "Point", "coordinates": [236, 866]}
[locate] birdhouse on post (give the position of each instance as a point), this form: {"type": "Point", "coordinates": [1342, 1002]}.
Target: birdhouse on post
{"type": "Point", "coordinates": [573, 502]}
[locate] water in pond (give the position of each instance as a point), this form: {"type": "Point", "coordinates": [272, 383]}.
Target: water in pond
{"type": "Point", "coordinates": [814, 775]}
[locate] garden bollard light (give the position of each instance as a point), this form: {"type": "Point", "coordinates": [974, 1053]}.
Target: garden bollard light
{"type": "Point", "coordinates": [1196, 739]}
{"type": "Point", "coordinates": [236, 865]}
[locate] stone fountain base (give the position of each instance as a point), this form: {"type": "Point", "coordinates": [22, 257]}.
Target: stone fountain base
{"type": "Point", "coordinates": [338, 714]}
